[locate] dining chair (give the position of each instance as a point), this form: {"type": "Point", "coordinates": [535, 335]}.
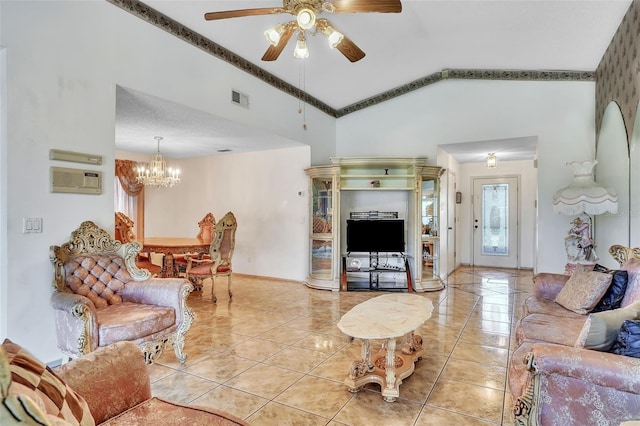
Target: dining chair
{"type": "Point", "coordinates": [220, 252]}
{"type": "Point", "coordinates": [124, 234]}
{"type": "Point", "coordinates": [205, 234]}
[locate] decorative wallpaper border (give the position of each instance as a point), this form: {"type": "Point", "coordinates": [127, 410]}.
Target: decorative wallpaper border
{"type": "Point", "coordinates": [152, 16]}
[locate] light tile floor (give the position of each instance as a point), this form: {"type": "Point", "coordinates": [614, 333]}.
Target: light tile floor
{"type": "Point", "coordinates": [274, 355]}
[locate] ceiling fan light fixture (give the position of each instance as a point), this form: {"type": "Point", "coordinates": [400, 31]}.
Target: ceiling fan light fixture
{"type": "Point", "coordinates": [274, 34]}
{"type": "Point", "coordinates": [301, 51]}
{"type": "Point", "coordinates": [306, 18]}
{"type": "Point", "coordinates": [334, 37]}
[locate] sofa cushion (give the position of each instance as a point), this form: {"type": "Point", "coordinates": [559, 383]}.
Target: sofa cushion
{"type": "Point", "coordinates": [583, 290]}
{"type": "Point", "coordinates": [633, 289]}
{"type": "Point", "coordinates": [549, 328]}
{"type": "Point", "coordinates": [59, 400]}
{"type": "Point", "coordinates": [157, 411]}
{"type": "Point", "coordinates": [130, 321]}
{"type": "Point", "coordinates": [538, 305]}
{"type": "Point", "coordinates": [628, 340]}
{"type": "Point", "coordinates": [601, 328]}
{"type": "Point", "coordinates": [612, 299]}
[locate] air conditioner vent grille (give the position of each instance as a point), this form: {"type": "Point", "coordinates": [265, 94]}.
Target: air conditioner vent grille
{"type": "Point", "coordinates": [239, 98]}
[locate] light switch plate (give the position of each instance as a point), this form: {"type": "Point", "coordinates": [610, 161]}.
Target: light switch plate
{"type": "Point", "coordinates": [31, 225]}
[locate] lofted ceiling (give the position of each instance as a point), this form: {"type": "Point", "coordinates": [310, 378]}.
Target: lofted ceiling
{"type": "Point", "coordinates": [426, 38]}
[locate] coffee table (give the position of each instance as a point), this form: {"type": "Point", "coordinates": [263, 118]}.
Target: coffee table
{"type": "Point", "coordinates": [386, 317]}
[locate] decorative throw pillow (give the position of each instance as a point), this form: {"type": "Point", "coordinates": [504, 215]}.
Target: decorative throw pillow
{"type": "Point", "coordinates": [601, 329]}
{"type": "Point", "coordinates": [612, 299]}
{"type": "Point", "coordinates": [59, 399]}
{"type": "Point", "coordinates": [633, 289]}
{"type": "Point", "coordinates": [628, 340]}
{"type": "Point", "coordinates": [582, 292]}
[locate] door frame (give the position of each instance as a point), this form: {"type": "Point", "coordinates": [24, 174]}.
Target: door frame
{"type": "Point", "coordinates": [518, 218]}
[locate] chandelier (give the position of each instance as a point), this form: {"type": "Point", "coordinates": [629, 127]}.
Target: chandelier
{"type": "Point", "coordinates": [157, 173]}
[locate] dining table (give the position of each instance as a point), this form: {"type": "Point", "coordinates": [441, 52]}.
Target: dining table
{"type": "Point", "coordinates": [170, 246]}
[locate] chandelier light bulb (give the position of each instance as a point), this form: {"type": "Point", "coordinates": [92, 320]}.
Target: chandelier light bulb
{"type": "Point", "coordinates": [301, 51]}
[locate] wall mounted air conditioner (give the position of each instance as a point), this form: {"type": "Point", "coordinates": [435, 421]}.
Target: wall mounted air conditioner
{"type": "Point", "coordinates": [75, 181]}
{"type": "Point", "coordinates": [76, 157]}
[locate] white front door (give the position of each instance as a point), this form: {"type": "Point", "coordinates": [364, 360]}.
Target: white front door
{"type": "Point", "coordinates": [495, 222]}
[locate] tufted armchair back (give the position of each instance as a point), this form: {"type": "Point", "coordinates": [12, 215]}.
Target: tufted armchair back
{"type": "Point", "coordinates": [100, 278]}
{"type": "Point", "coordinates": [102, 297]}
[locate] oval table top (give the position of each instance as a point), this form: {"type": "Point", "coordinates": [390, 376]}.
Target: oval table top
{"type": "Point", "coordinates": [386, 316]}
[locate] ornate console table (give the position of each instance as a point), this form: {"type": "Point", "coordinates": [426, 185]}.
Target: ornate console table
{"type": "Point", "coordinates": [386, 317]}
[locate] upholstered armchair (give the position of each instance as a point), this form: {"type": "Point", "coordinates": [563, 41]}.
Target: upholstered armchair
{"type": "Point", "coordinates": [101, 297]}
{"type": "Point", "coordinates": [124, 234]}
{"type": "Point", "coordinates": [220, 254]}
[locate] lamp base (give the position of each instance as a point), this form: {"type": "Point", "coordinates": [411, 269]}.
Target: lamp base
{"type": "Point", "coordinates": [570, 267]}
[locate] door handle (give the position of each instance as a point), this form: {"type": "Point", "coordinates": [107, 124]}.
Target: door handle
{"type": "Point", "coordinates": [450, 228]}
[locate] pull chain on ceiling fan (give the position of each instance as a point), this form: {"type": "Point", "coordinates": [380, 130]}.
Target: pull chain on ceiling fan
{"type": "Point", "coordinates": [306, 13]}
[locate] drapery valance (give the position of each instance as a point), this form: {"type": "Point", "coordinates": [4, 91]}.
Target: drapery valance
{"type": "Point", "coordinates": [126, 173]}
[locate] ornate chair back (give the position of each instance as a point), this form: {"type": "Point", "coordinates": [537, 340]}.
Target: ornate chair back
{"type": "Point", "coordinates": [224, 240]}
{"type": "Point", "coordinates": [206, 228]}
{"type": "Point", "coordinates": [124, 228]}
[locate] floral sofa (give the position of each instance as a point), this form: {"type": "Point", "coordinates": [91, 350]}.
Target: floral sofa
{"type": "Point", "coordinates": [571, 364]}
{"type": "Point", "coordinates": [109, 386]}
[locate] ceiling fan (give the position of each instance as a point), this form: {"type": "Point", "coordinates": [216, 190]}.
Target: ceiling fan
{"type": "Point", "coordinates": [306, 12]}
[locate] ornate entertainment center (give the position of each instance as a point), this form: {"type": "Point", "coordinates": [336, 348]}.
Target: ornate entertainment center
{"type": "Point", "coordinates": [341, 193]}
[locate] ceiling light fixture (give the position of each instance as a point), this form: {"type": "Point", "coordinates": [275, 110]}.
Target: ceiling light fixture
{"type": "Point", "coordinates": [274, 34]}
{"type": "Point", "coordinates": [306, 18]}
{"type": "Point", "coordinates": [492, 161]}
{"type": "Point", "coordinates": [301, 50]}
{"type": "Point", "coordinates": [157, 173]}
{"type": "Point", "coordinates": [334, 37]}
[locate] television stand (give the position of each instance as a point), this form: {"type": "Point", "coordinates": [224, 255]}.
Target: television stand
{"type": "Point", "coordinates": [376, 271]}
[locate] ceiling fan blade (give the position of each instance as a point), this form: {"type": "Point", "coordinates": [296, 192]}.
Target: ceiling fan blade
{"type": "Point", "coordinates": [273, 52]}
{"type": "Point", "coordinates": [350, 50]}
{"type": "Point", "coordinates": [355, 6]}
{"type": "Point", "coordinates": [211, 16]}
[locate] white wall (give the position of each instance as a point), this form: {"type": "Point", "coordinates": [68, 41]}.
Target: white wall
{"type": "Point", "coordinates": [260, 188]}
{"type": "Point", "coordinates": [3, 191]}
{"type": "Point", "coordinates": [64, 60]}
{"type": "Point", "coordinates": [560, 114]}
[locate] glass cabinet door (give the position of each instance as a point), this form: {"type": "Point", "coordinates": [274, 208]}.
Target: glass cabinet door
{"type": "Point", "coordinates": [430, 225]}
{"type": "Point", "coordinates": [322, 228]}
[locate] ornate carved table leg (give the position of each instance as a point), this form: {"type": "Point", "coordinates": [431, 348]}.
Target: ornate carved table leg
{"type": "Point", "coordinates": [361, 367]}
{"type": "Point", "coordinates": [390, 390]}
{"type": "Point", "coordinates": [413, 343]}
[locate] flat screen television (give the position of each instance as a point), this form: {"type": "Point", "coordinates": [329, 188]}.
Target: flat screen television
{"type": "Point", "coordinates": [384, 235]}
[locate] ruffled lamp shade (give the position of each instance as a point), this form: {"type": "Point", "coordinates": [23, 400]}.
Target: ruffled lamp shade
{"type": "Point", "coordinates": [584, 194]}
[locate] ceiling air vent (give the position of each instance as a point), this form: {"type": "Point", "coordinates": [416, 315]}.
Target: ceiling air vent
{"type": "Point", "coordinates": [239, 98]}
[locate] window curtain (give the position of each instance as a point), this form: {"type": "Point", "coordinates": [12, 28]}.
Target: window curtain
{"type": "Point", "coordinates": [129, 195]}
{"type": "Point", "coordinates": [126, 174]}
